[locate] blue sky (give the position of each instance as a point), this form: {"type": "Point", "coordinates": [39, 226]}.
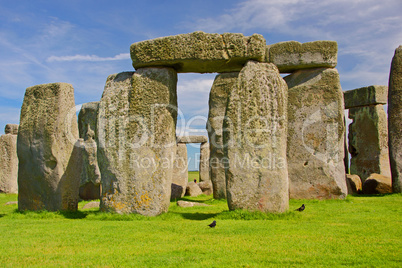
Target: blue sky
{"type": "Point", "coordinates": [82, 42]}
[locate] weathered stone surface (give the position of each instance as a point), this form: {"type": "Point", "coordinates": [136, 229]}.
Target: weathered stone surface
{"type": "Point", "coordinates": [204, 162]}
{"type": "Point", "coordinates": [199, 52]}
{"type": "Point", "coordinates": [377, 184]}
{"type": "Point", "coordinates": [365, 96]}
{"type": "Point", "coordinates": [255, 130]}
{"type": "Point", "coordinates": [218, 98]}
{"type": "Point", "coordinates": [176, 191]}
{"type": "Point", "coordinates": [186, 204]}
{"type": "Point", "coordinates": [137, 141]}
{"type": "Point", "coordinates": [206, 187]}
{"type": "Point", "coordinates": [90, 177]}
{"type": "Point", "coordinates": [8, 163]}
{"type": "Point", "coordinates": [345, 148]}
{"type": "Point", "coordinates": [11, 129]}
{"type": "Point", "coordinates": [353, 183]}
{"type": "Point", "coordinates": [368, 141]}
{"type": "Point", "coordinates": [193, 189]}
{"type": "Point", "coordinates": [395, 120]}
{"type": "Point", "coordinates": [87, 120]}
{"type": "Point", "coordinates": [316, 135]}
{"type": "Point", "coordinates": [192, 139]}
{"type": "Point", "coordinates": [90, 191]}
{"type": "Point", "coordinates": [94, 204]}
{"type": "Point", "coordinates": [180, 172]}
{"type": "Point", "coordinates": [48, 151]}
{"type": "Point", "coordinates": [291, 56]}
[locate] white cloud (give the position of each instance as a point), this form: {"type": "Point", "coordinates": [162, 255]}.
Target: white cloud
{"type": "Point", "coordinates": [121, 56]}
{"type": "Point", "coordinates": [309, 18]}
{"type": "Point", "coordinates": [367, 31]}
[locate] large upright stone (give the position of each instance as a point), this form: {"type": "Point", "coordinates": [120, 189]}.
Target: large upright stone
{"type": "Point", "coordinates": [204, 162]}
{"type": "Point", "coordinates": [291, 56]}
{"type": "Point", "coordinates": [180, 172]}
{"type": "Point", "coordinates": [368, 141]}
{"type": "Point", "coordinates": [199, 52]}
{"type": "Point", "coordinates": [365, 96]}
{"type": "Point", "coordinates": [48, 151]}
{"type": "Point", "coordinates": [395, 120]}
{"type": "Point", "coordinates": [9, 160]}
{"type": "Point", "coordinates": [255, 130]}
{"type": "Point", "coordinates": [137, 140]}
{"type": "Point", "coordinates": [316, 135]}
{"type": "Point", "coordinates": [87, 119]}
{"type": "Point", "coordinates": [218, 98]}
{"type": "Point", "coordinates": [90, 177]}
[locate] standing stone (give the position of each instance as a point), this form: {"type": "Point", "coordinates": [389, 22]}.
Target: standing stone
{"type": "Point", "coordinates": [316, 135]}
{"type": "Point", "coordinates": [48, 151]}
{"type": "Point", "coordinates": [137, 141]}
{"type": "Point", "coordinates": [218, 98]}
{"type": "Point", "coordinates": [204, 162]}
{"type": "Point", "coordinates": [90, 177]}
{"type": "Point", "coordinates": [395, 120]}
{"type": "Point", "coordinates": [87, 119]}
{"type": "Point", "coordinates": [255, 130]}
{"type": "Point", "coordinates": [180, 172]}
{"type": "Point", "coordinates": [9, 160]}
{"type": "Point", "coordinates": [346, 149]}
{"type": "Point", "coordinates": [368, 141]}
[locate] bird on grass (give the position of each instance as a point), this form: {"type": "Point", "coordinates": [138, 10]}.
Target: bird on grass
{"type": "Point", "coordinates": [212, 225]}
{"type": "Point", "coordinates": [301, 208]}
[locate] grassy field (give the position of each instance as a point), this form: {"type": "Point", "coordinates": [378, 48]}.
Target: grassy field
{"type": "Point", "coordinates": [361, 231]}
{"type": "Point", "coordinates": [193, 175]}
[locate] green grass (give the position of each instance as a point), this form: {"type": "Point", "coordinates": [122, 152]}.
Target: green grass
{"type": "Point", "coordinates": [361, 231]}
{"type": "Point", "coordinates": [193, 175]}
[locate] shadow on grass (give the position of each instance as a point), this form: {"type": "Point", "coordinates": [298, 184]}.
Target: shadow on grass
{"type": "Point", "coordinates": [196, 216]}
{"type": "Point", "coordinates": [74, 214]}
{"type": "Point", "coordinates": [44, 214]}
{"type": "Point", "coordinates": [373, 195]}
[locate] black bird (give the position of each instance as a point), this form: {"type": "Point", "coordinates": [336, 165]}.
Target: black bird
{"type": "Point", "coordinates": [212, 225]}
{"type": "Point", "coordinates": [301, 208]}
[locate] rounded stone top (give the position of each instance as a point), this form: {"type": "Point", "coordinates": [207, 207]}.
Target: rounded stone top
{"type": "Point", "coordinates": [11, 129]}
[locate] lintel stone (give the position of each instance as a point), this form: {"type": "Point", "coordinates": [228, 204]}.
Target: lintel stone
{"type": "Point", "coordinates": [292, 55]}
{"type": "Point", "coordinates": [192, 139]}
{"type": "Point", "coordinates": [199, 52]}
{"type": "Point", "coordinates": [366, 96]}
